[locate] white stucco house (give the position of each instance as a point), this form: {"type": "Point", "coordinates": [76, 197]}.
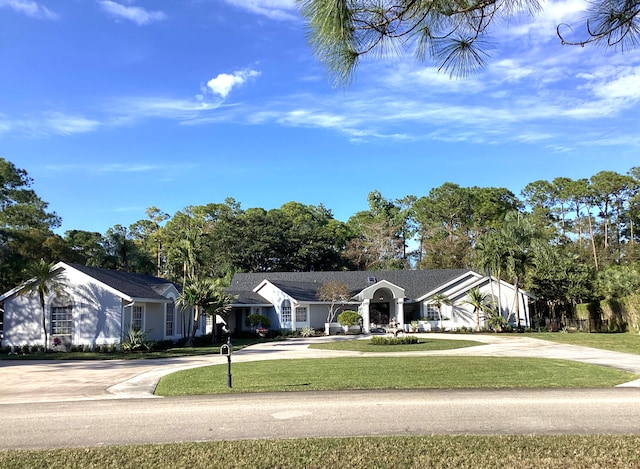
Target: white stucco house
{"type": "Point", "coordinates": [96, 307]}
{"type": "Point", "coordinates": [290, 299]}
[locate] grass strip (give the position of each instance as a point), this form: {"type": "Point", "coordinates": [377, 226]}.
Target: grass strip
{"type": "Point", "coordinates": [627, 342]}
{"type": "Point", "coordinates": [468, 451]}
{"type": "Point", "coordinates": [390, 373]}
{"type": "Point", "coordinates": [423, 345]}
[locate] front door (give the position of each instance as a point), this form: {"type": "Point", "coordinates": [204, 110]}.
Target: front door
{"type": "Point", "coordinates": [379, 313]}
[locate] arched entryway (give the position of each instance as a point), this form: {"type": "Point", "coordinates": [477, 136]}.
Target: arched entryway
{"type": "Point", "coordinates": [381, 307]}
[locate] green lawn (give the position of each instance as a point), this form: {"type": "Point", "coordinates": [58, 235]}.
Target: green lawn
{"type": "Point", "coordinates": [460, 452]}
{"type": "Point", "coordinates": [422, 346]}
{"type": "Point", "coordinates": [628, 342]}
{"type": "Point", "coordinates": [390, 373]}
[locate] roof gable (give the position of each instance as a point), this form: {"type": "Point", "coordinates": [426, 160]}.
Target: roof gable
{"type": "Point", "coordinates": [303, 286]}
{"type": "Point", "coordinates": [129, 285]}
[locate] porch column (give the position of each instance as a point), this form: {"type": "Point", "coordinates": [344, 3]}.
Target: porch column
{"type": "Point", "coordinates": [366, 317]}
{"type": "Point", "coordinates": [294, 306]}
{"type": "Point", "coordinates": [400, 312]}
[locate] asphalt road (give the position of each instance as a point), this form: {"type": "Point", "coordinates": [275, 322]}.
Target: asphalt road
{"type": "Point", "coordinates": [319, 414]}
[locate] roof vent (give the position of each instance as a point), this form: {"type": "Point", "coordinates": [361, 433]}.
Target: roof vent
{"type": "Point", "coordinates": [372, 279]}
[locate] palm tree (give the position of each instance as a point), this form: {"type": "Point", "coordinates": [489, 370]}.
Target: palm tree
{"type": "Point", "coordinates": [509, 249]}
{"type": "Point", "coordinates": [199, 294]}
{"type": "Point", "coordinates": [44, 279]}
{"type": "Point", "coordinates": [480, 302]}
{"type": "Point", "coordinates": [219, 305]}
{"type": "Point", "coordinates": [438, 300]}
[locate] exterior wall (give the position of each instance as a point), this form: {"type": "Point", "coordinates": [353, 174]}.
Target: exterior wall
{"type": "Point", "coordinates": [461, 315]}
{"type": "Point", "coordinates": [154, 321]}
{"type": "Point", "coordinates": [96, 315]}
{"type": "Point", "coordinates": [99, 315]}
{"type": "Point", "coordinates": [22, 322]}
{"type": "Point", "coordinates": [275, 296]}
{"type": "Point", "coordinates": [318, 315]}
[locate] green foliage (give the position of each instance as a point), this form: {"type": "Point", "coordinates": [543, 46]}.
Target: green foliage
{"type": "Point", "coordinates": [404, 340]}
{"type": "Point", "coordinates": [257, 320]}
{"type": "Point", "coordinates": [617, 281]}
{"type": "Point", "coordinates": [307, 332]}
{"type": "Point", "coordinates": [25, 227]}
{"type": "Point", "coordinates": [349, 318]}
{"type": "Point", "coordinates": [135, 340]}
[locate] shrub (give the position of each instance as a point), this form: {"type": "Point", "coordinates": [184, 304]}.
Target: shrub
{"type": "Point", "coordinates": [381, 340]}
{"type": "Point", "coordinates": [255, 320]}
{"type": "Point", "coordinates": [307, 332]}
{"type": "Point", "coordinates": [136, 340]}
{"type": "Point", "coordinates": [349, 318]}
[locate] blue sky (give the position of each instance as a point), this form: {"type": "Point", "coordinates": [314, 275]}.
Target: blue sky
{"type": "Point", "coordinates": [115, 106]}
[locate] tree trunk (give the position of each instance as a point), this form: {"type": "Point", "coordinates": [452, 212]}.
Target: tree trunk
{"type": "Point", "coordinates": [593, 241]}
{"type": "Point", "coordinates": [194, 328]}
{"type": "Point", "coordinates": [44, 322]}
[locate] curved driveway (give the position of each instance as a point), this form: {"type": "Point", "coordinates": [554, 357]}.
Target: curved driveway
{"type": "Point", "coordinates": [71, 380]}
{"type": "Point", "coordinates": [106, 402]}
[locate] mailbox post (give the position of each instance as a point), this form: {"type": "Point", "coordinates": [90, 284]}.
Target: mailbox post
{"type": "Point", "coordinates": [227, 349]}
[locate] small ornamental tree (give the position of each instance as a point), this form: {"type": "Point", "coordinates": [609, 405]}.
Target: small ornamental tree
{"type": "Point", "coordinates": [335, 293]}
{"type": "Point", "coordinates": [349, 318]}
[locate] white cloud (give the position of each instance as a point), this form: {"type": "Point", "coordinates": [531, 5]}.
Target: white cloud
{"type": "Point", "coordinates": [29, 8]}
{"type": "Point", "coordinates": [623, 84]}
{"type": "Point", "coordinates": [282, 10]}
{"type": "Point", "coordinates": [224, 83]}
{"type": "Point", "coordinates": [138, 15]}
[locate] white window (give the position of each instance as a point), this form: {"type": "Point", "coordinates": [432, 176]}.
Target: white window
{"type": "Point", "coordinates": [432, 313]}
{"type": "Point", "coordinates": [137, 318]}
{"type": "Point", "coordinates": [61, 320]}
{"type": "Point", "coordinates": [170, 319]}
{"type": "Point", "coordinates": [286, 311]}
{"type": "Point", "coordinates": [301, 314]}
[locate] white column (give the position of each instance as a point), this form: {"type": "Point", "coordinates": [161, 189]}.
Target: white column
{"type": "Point", "coordinates": [400, 312]}
{"type": "Point", "coordinates": [366, 316]}
{"type": "Point", "coordinates": [294, 306]}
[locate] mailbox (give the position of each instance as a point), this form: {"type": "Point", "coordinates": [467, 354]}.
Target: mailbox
{"type": "Point", "coordinates": [227, 349]}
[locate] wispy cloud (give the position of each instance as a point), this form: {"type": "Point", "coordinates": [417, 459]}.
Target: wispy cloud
{"type": "Point", "coordinates": [122, 168]}
{"type": "Point", "coordinates": [29, 8]}
{"type": "Point", "coordinates": [135, 14]}
{"type": "Point", "coordinates": [46, 124]}
{"type": "Point", "coordinates": [281, 10]}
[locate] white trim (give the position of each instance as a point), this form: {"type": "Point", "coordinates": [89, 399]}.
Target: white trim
{"type": "Point", "coordinates": [364, 293]}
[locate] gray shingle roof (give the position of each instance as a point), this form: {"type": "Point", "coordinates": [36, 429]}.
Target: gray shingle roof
{"type": "Point", "coordinates": [132, 285]}
{"type": "Point", "coordinates": [303, 286]}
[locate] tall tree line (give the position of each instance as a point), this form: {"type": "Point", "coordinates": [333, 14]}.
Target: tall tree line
{"type": "Point", "coordinates": [566, 241]}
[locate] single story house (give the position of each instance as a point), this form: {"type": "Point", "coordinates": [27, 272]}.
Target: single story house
{"type": "Point", "coordinates": [95, 307]}
{"type": "Point", "coordinates": [290, 299]}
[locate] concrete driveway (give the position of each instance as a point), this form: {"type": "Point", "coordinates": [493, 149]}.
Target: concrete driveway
{"type": "Point", "coordinates": [71, 380]}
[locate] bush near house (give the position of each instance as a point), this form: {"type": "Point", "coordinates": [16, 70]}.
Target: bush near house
{"type": "Point", "coordinates": [256, 320]}
{"type": "Point", "coordinates": [349, 318]}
